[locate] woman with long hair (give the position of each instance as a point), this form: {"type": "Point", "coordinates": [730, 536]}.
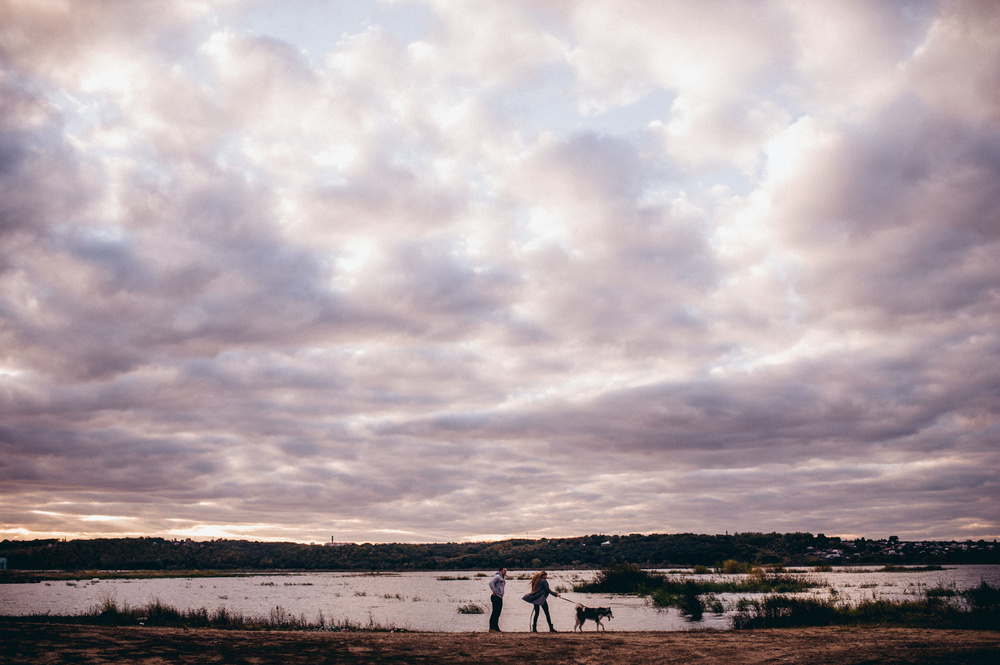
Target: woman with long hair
{"type": "Point", "coordinates": [539, 593]}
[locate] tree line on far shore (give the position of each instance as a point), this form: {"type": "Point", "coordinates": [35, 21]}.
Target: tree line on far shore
{"type": "Point", "coordinates": [593, 551]}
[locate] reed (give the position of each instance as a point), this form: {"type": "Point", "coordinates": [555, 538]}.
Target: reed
{"type": "Point", "coordinates": [977, 608]}
{"type": "Point", "coordinates": [109, 612]}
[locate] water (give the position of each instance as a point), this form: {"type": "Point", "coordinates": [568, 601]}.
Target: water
{"type": "Point", "coordinates": [429, 601]}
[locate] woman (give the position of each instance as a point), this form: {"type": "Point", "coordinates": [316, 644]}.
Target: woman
{"type": "Point", "coordinates": [539, 593]}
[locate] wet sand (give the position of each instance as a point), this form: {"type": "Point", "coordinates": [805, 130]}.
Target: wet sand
{"type": "Point", "coordinates": [50, 644]}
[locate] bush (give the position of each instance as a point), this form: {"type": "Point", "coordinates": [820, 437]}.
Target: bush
{"type": "Point", "coordinates": [622, 578]}
{"type": "Point", "coordinates": [983, 598]}
{"type": "Point", "coordinates": [734, 567]}
{"type": "Point", "coordinates": [984, 605]}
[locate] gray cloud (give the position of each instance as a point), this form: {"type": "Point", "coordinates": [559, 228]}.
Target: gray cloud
{"type": "Point", "coordinates": [397, 290]}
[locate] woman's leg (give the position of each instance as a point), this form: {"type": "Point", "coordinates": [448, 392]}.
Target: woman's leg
{"type": "Point", "coordinates": [545, 606]}
{"type": "Point", "coordinates": [534, 620]}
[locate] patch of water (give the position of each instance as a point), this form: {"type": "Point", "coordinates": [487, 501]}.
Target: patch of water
{"type": "Point", "coordinates": [430, 601]}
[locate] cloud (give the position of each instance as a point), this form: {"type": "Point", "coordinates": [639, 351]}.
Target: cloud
{"type": "Point", "coordinates": [952, 67]}
{"type": "Point", "coordinates": [711, 267]}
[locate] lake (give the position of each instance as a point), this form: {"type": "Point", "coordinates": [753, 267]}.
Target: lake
{"type": "Point", "coordinates": [429, 601]}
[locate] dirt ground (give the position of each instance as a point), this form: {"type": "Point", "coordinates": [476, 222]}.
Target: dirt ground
{"type": "Point", "coordinates": [49, 644]}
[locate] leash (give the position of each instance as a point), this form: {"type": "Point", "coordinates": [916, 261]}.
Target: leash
{"type": "Point", "coordinates": [607, 603]}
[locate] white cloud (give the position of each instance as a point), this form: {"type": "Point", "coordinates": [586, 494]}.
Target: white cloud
{"type": "Point", "coordinates": [736, 260]}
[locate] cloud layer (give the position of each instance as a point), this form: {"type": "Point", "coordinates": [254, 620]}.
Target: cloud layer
{"type": "Point", "coordinates": [419, 271]}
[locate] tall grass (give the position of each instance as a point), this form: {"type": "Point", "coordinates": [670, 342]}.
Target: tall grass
{"type": "Point", "coordinates": [977, 608]}
{"type": "Point", "coordinates": [108, 612]}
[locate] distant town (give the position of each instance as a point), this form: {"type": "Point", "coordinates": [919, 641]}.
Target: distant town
{"type": "Point", "coordinates": [893, 548]}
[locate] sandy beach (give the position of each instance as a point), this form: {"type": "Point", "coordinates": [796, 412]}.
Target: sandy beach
{"type": "Point", "coordinates": [52, 644]}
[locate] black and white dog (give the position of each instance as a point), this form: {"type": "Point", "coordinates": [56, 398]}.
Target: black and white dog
{"type": "Point", "coordinates": [595, 613]}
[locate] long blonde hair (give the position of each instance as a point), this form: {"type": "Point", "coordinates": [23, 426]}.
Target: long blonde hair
{"type": "Point", "coordinates": [536, 580]}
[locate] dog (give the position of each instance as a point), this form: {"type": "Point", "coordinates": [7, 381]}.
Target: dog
{"type": "Point", "coordinates": [595, 613]}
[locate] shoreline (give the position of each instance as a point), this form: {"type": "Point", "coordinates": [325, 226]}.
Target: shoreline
{"type": "Point", "coordinates": [20, 576]}
{"type": "Point", "coordinates": [54, 644]}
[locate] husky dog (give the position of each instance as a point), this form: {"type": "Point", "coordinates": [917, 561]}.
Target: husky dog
{"type": "Point", "coordinates": [595, 613]}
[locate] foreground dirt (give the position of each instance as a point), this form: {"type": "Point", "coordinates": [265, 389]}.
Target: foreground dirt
{"type": "Point", "coordinates": [54, 644]}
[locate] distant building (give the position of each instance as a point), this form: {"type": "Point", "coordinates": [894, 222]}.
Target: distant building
{"type": "Point", "coordinates": [334, 543]}
{"type": "Point", "coordinates": [3, 563]}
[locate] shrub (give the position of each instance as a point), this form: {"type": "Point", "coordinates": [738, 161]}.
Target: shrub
{"type": "Point", "coordinates": [622, 578]}
{"type": "Point", "coordinates": [734, 567]}
{"type": "Point", "coordinates": [713, 604]}
{"type": "Point", "coordinates": [691, 606]}
{"type": "Point", "coordinates": [983, 598]}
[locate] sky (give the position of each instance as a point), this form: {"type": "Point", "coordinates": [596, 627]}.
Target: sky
{"type": "Point", "coordinates": [431, 271]}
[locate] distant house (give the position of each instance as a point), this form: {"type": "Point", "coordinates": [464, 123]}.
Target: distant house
{"type": "Point", "coordinates": [3, 563]}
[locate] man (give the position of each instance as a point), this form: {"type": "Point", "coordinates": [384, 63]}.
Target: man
{"type": "Point", "coordinates": [496, 586]}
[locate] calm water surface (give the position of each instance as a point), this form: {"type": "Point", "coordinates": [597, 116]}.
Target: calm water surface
{"type": "Point", "coordinates": [430, 600]}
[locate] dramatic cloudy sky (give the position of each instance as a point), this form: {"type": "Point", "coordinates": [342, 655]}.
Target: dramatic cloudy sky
{"type": "Point", "coordinates": [424, 270]}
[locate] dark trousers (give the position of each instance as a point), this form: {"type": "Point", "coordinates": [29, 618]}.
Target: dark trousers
{"type": "Point", "coordinates": [534, 616]}
{"type": "Point", "coordinates": [497, 608]}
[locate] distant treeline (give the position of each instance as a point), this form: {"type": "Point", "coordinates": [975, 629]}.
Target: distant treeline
{"type": "Point", "coordinates": [594, 551]}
